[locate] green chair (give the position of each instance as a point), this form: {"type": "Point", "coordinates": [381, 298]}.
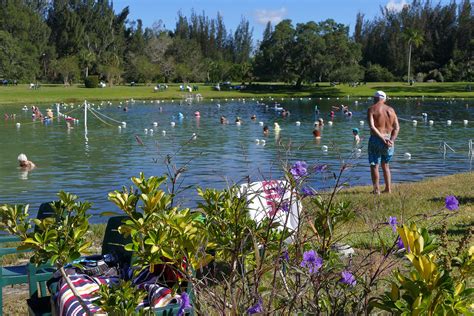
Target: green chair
{"type": "Point", "coordinates": [18, 274]}
{"type": "Point", "coordinates": [39, 303]}
{"type": "Point", "coordinates": [114, 242]}
{"type": "Point", "coordinates": [10, 275]}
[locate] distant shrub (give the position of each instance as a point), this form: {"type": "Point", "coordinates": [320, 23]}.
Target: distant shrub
{"type": "Point", "coordinates": [435, 74]}
{"type": "Point", "coordinates": [377, 73]}
{"type": "Point", "coordinates": [91, 82]}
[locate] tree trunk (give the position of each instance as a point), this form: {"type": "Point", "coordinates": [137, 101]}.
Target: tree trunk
{"type": "Point", "coordinates": [87, 71]}
{"type": "Point", "coordinates": [409, 63]}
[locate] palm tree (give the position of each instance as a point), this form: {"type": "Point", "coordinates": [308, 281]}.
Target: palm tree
{"type": "Point", "coordinates": [414, 37]}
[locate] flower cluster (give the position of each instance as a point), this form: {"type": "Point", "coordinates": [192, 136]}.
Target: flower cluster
{"type": "Point", "coordinates": [348, 278]}
{"type": "Point", "coordinates": [392, 221]}
{"type": "Point", "coordinates": [299, 169]}
{"type": "Point", "coordinates": [312, 261]}
{"type": "Point", "coordinates": [451, 203]}
{"type": "Point", "coordinates": [256, 309]}
{"type": "Point", "coordinates": [307, 191]}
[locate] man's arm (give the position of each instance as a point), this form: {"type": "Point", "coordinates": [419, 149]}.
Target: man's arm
{"type": "Point", "coordinates": [396, 128]}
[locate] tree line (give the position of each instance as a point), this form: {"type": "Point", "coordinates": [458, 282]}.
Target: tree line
{"type": "Point", "coordinates": [69, 40]}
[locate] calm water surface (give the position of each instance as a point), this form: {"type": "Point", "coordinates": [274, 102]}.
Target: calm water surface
{"type": "Point", "coordinates": [220, 154]}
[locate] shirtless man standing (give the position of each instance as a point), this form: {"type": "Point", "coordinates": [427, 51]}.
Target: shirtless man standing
{"type": "Point", "coordinates": [384, 129]}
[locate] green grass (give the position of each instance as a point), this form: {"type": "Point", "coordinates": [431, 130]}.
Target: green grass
{"type": "Point", "coordinates": [48, 93]}
{"type": "Point", "coordinates": [410, 201]}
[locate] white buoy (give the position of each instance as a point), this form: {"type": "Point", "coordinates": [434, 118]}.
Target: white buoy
{"type": "Point", "coordinates": [262, 142]}
{"type": "Point", "coordinates": [361, 122]}
{"type": "Point", "coordinates": [260, 123]}
{"type": "Point", "coordinates": [330, 123]}
{"type": "Point", "coordinates": [431, 122]}
{"type": "Point", "coordinates": [407, 156]}
{"type": "Point", "coordinates": [151, 131]}
{"type": "Point", "coordinates": [124, 124]}
{"type": "Point", "coordinates": [173, 124]}
{"type": "Point", "coordinates": [237, 123]}
{"type": "Point", "coordinates": [298, 123]}
{"type": "Point", "coordinates": [119, 128]}
{"type": "Point", "coordinates": [163, 132]}
{"type": "Point", "coordinates": [155, 124]}
{"type": "Point", "coordinates": [414, 122]}
{"type": "Point", "coordinates": [465, 122]}
{"type": "Point", "coordinates": [359, 151]}
{"type": "Point", "coordinates": [194, 136]}
{"type": "Point", "coordinates": [146, 130]}
{"type": "Point", "coordinates": [257, 141]}
{"type": "Point", "coordinates": [18, 125]}
{"type": "Point", "coordinates": [324, 148]}
{"type": "Point", "coordinates": [218, 106]}
{"type": "Point", "coordinates": [449, 122]}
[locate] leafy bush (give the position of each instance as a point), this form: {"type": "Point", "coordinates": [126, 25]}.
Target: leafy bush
{"type": "Point", "coordinates": [91, 82]}
{"type": "Point", "coordinates": [377, 73]}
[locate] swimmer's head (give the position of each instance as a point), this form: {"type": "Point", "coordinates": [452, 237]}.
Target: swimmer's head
{"type": "Point", "coordinates": [355, 131]}
{"type": "Point", "coordinates": [22, 158]}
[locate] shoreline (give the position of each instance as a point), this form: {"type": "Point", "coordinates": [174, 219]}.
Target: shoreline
{"type": "Point", "coordinates": [50, 94]}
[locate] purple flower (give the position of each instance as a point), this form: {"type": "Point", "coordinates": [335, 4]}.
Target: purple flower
{"type": "Point", "coordinates": [257, 308]}
{"type": "Point", "coordinates": [185, 303]}
{"type": "Point", "coordinates": [451, 203]}
{"type": "Point", "coordinates": [280, 189]}
{"type": "Point", "coordinates": [307, 191]}
{"type": "Point", "coordinates": [400, 243]}
{"type": "Point", "coordinates": [348, 278]}
{"type": "Point", "coordinates": [285, 206]}
{"type": "Point", "coordinates": [299, 169]}
{"type": "Point", "coordinates": [285, 256]}
{"type": "Point", "coordinates": [392, 221]}
{"type": "Point", "coordinates": [312, 261]}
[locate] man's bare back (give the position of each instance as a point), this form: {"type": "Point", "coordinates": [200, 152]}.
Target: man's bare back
{"type": "Point", "coordinates": [383, 121]}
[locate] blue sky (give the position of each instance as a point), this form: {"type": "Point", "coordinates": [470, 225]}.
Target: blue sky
{"type": "Point", "coordinates": [258, 12]}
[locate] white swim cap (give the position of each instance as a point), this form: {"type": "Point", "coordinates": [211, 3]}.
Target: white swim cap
{"type": "Point", "coordinates": [22, 157]}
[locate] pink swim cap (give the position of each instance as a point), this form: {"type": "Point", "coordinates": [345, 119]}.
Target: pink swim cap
{"type": "Point", "coordinates": [197, 113]}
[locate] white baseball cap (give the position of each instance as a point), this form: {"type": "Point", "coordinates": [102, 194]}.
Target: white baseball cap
{"type": "Point", "coordinates": [380, 94]}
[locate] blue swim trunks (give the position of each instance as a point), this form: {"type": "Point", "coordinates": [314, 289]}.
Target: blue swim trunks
{"type": "Point", "coordinates": [378, 151]}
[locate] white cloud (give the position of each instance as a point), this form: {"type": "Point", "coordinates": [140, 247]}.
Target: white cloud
{"type": "Point", "coordinates": [395, 5]}
{"type": "Point", "coordinates": [263, 16]}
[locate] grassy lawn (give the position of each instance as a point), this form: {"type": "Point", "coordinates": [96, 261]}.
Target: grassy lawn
{"type": "Point", "coordinates": [410, 201]}
{"type": "Point", "coordinates": [47, 93]}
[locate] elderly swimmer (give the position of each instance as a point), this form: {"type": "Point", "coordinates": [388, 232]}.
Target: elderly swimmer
{"type": "Point", "coordinates": [24, 163]}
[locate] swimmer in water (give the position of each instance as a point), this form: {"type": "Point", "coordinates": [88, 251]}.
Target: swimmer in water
{"type": "Point", "coordinates": [355, 133]}
{"type": "Point", "coordinates": [317, 133]}
{"type": "Point", "coordinates": [224, 120]}
{"type": "Point", "coordinates": [321, 122]}
{"type": "Point", "coordinates": [24, 163]}
{"type": "Point", "coordinates": [265, 130]}
{"type": "Point", "coordinates": [254, 117]}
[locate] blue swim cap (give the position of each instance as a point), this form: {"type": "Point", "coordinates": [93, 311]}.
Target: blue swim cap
{"type": "Point", "coordinates": [355, 130]}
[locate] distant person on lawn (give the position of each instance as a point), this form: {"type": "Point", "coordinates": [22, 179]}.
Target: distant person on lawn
{"type": "Point", "coordinates": [384, 129]}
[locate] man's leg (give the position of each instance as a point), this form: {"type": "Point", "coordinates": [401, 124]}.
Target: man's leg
{"type": "Point", "coordinates": [387, 177]}
{"type": "Point", "coordinates": [374, 173]}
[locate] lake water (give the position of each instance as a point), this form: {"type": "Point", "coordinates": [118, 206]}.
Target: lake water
{"type": "Point", "coordinates": [220, 154]}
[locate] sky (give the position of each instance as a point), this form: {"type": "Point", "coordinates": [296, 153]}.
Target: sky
{"type": "Point", "coordinates": [258, 12]}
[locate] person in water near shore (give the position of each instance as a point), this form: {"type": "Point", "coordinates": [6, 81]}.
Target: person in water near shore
{"type": "Point", "coordinates": [24, 163]}
{"type": "Point", "coordinates": [224, 120]}
{"type": "Point", "coordinates": [265, 130]}
{"type": "Point", "coordinates": [384, 130]}
{"type": "Point", "coordinates": [253, 117]}
{"type": "Point", "coordinates": [317, 133]}
{"type": "Point", "coordinates": [355, 133]}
